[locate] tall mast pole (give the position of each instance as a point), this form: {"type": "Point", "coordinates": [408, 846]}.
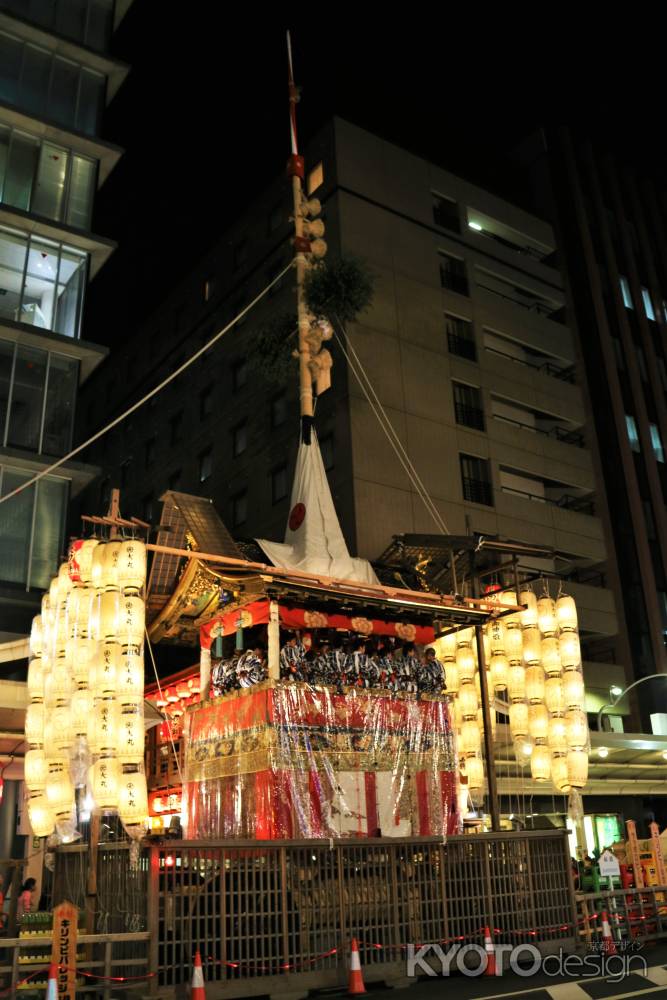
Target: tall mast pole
{"type": "Point", "coordinates": [295, 170]}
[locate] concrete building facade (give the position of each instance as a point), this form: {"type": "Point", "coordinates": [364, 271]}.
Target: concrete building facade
{"type": "Point", "coordinates": [467, 344]}
{"type": "Point", "coordinates": [55, 78]}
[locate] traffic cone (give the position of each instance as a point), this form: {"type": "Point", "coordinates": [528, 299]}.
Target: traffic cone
{"type": "Point", "coordinates": [52, 984]}
{"type": "Point", "coordinates": [197, 990]}
{"type": "Point", "coordinates": [490, 954]}
{"type": "Point", "coordinates": [608, 946]}
{"type": "Point", "coordinates": [355, 982]}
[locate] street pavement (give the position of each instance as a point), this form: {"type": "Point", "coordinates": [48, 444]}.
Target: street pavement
{"type": "Point", "coordinates": [617, 986]}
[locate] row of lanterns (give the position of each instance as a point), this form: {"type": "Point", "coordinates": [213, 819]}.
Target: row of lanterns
{"type": "Point", "coordinates": [85, 718]}
{"type": "Point", "coordinates": [533, 660]}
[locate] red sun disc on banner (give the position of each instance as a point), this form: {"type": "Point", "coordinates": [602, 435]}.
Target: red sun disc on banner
{"type": "Point", "coordinates": [296, 517]}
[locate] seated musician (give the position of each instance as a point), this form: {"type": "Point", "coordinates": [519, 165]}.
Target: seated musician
{"type": "Point", "coordinates": [292, 659]}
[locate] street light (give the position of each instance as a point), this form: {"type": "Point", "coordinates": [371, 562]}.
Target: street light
{"type": "Point", "coordinates": [617, 693]}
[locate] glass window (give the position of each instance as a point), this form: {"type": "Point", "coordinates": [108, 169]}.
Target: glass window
{"type": "Point", "coordinates": [476, 480]}
{"type": "Point", "coordinates": [71, 19]}
{"type": "Point", "coordinates": [205, 465]}
{"type": "Point", "coordinates": [21, 168]}
{"type": "Point", "coordinates": [71, 286]}
{"type": "Point", "coordinates": [13, 250]}
{"type": "Point", "coordinates": [64, 88]}
{"type": "Point", "coordinates": [49, 523]}
{"type": "Point", "coordinates": [446, 213]}
{"type": "Point", "coordinates": [239, 508]}
{"type": "Point", "coordinates": [278, 410]}
{"type": "Point", "coordinates": [315, 178]}
{"type": "Point", "coordinates": [240, 439]}
{"type": "Point", "coordinates": [633, 436]}
{"type": "Point", "coordinates": [35, 73]}
{"type": "Point", "coordinates": [39, 290]}
{"type": "Point", "coordinates": [279, 483]}
{"type": "Point", "coordinates": [656, 444]}
{"type": "Point", "coordinates": [91, 93]}
{"type": "Point", "coordinates": [453, 274]}
{"type": "Point", "coordinates": [25, 421]}
{"type": "Point", "coordinates": [625, 292]}
{"type": "Point", "coordinates": [5, 134]}
{"type": "Point", "coordinates": [81, 192]}
{"type": "Point", "coordinates": [98, 28]}
{"type": "Point", "coordinates": [60, 401]}
{"type": "Point", "coordinates": [6, 365]}
{"type": "Point", "coordinates": [460, 337]}
{"type": "Point", "coordinates": [10, 68]}
{"type": "Point", "coordinates": [49, 194]}
{"type": "Point", "coordinates": [15, 527]}
{"type": "Point", "coordinates": [648, 304]}
{"type": "Point", "coordinates": [206, 402]}
{"type": "Point", "coordinates": [468, 407]}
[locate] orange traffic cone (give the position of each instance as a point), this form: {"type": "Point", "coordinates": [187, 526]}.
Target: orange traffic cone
{"type": "Point", "coordinates": [608, 946]}
{"type": "Point", "coordinates": [52, 984]}
{"type": "Point", "coordinates": [197, 990]}
{"type": "Point", "coordinates": [355, 982]}
{"type": "Point", "coordinates": [490, 954]}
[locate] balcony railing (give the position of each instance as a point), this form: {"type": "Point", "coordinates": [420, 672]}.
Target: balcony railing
{"type": "Point", "coordinates": [554, 313]}
{"type": "Point", "coordinates": [462, 346]}
{"type": "Point", "coordinates": [469, 416]}
{"type": "Point", "coordinates": [575, 438]}
{"type": "Point", "coordinates": [547, 368]}
{"type": "Point", "coordinates": [477, 491]}
{"type": "Point", "coordinates": [580, 505]}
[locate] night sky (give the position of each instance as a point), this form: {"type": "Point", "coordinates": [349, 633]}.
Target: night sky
{"type": "Point", "coordinates": [203, 119]}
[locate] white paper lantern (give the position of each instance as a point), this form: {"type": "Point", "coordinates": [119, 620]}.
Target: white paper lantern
{"type": "Point", "coordinates": [554, 695]}
{"type": "Point", "coordinates": [546, 616]}
{"type": "Point", "coordinates": [550, 654]}
{"type": "Point", "coordinates": [64, 582]}
{"type": "Point", "coordinates": [514, 645]}
{"type": "Point", "coordinates": [518, 719]}
{"type": "Point", "coordinates": [107, 669]}
{"type": "Point", "coordinates": [110, 615]}
{"type": "Point", "coordinates": [111, 560]}
{"type": "Point", "coordinates": [499, 669]}
{"type": "Point", "coordinates": [85, 653]}
{"type": "Point", "coordinates": [559, 774]}
{"type": "Point", "coordinates": [497, 637]}
{"type": "Point", "coordinates": [132, 566]}
{"type": "Point", "coordinates": [81, 600]}
{"type": "Point", "coordinates": [98, 568]}
{"type": "Point", "coordinates": [516, 681]}
{"type": "Point", "coordinates": [577, 768]}
{"type": "Point", "coordinates": [131, 734]}
{"type": "Point", "coordinates": [540, 763]}
{"type": "Point", "coordinates": [36, 770]}
{"type": "Point", "coordinates": [474, 768]}
{"type": "Point", "coordinates": [578, 737]}
{"type": "Point", "coordinates": [535, 682]}
{"type": "Point", "coordinates": [529, 616]}
{"type": "Point", "coordinates": [566, 613]}
{"type": "Point", "coordinates": [59, 787]}
{"type": "Point", "coordinates": [130, 675]}
{"type": "Point", "coordinates": [452, 681]}
{"type": "Point", "coordinates": [557, 736]}
{"type": "Point", "coordinates": [84, 560]}
{"type": "Point", "coordinates": [573, 689]}
{"type": "Point", "coordinates": [470, 739]}
{"type": "Point", "coordinates": [40, 815]}
{"type": "Point", "coordinates": [467, 699]}
{"type": "Point", "coordinates": [513, 620]}
{"type": "Point", "coordinates": [538, 722]}
{"type": "Point", "coordinates": [133, 798]}
{"type": "Point", "coordinates": [36, 636]}
{"type": "Point", "coordinates": [569, 649]}
{"type": "Point", "coordinates": [131, 621]}
{"type": "Point", "coordinates": [81, 710]}
{"type": "Point", "coordinates": [106, 778]}
{"type": "Point", "coordinates": [36, 679]}
{"type": "Point", "coordinates": [103, 731]}
{"type": "Point", "coordinates": [445, 646]}
{"type": "Point", "coordinates": [465, 661]}
{"type": "Point", "coordinates": [465, 636]}
{"type": "Point", "coordinates": [34, 725]}
{"type": "Point", "coordinates": [532, 645]}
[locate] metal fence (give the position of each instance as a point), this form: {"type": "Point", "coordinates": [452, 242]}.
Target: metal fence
{"type": "Point", "coordinates": [633, 915]}
{"type": "Point", "coordinates": [266, 915]}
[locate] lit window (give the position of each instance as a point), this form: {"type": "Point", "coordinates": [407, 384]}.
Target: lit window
{"type": "Point", "coordinates": [648, 305]}
{"type": "Point", "coordinates": [239, 508]}
{"type": "Point", "coordinates": [315, 178]}
{"type": "Point", "coordinates": [205, 465]}
{"type": "Point", "coordinates": [625, 292]}
{"type": "Point", "coordinates": [656, 444]}
{"type": "Point", "coordinates": [631, 427]}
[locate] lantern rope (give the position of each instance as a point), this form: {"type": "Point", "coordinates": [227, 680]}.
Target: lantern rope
{"type": "Point", "coordinates": [365, 383]}
{"type": "Point", "coordinates": [153, 392]}
{"type": "Point", "coordinates": [159, 687]}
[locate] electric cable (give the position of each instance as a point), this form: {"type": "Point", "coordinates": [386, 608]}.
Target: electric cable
{"type": "Point", "coordinates": [149, 395]}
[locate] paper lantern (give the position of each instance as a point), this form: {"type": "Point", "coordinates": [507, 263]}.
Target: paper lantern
{"type": "Point", "coordinates": [85, 654]}
{"type": "Point", "coordinates": [58, 683]}
{"type": "Point", "coordinates": [516, 681]}
{"type": "Point", "coordinates": [110, 615]}
{"type": "Point", "coordinates": [81, 600]}
{"type": "Point", "coordinates": [131, 734]}
{"type": "Point", "coordinates": [577, 768]}
{"type": "Point", "coordinates": [58, 729]}
{"type": "Point", "coordinates": [514, 645]}
{"type": "Point", "coordinates": [532, 645]}
{"type": "Point", "coordinates": [35, 770]}
{"type": "Point", "coordinates": [36, 636]}
{"type": "Point", "coordinates": [470, 740]}
{"type": "Point", "coordinates": [577, 729]}
{"type": "Point", "coordinates": [132, 566]}
{"type": "Point", "coordinates": [474, 768]}
{"type": "Point", "coordinates": [106, 777]}
{"type": "Point", "coordinates": [569, 649]}
{"type": "Point", "coordinates": [81, 709]}
{"type": "Point", "coordinates": [465, 636]}
{"type": "Point", "coordinates": [540, 763]}
{"type": "Point", "coordinates": [107, 669]}
{"type": "Point", "coordinates": [513, 620]}
{"type": "Point", "coordinates": [465, 661]}
{"type": "Point", "coordinates": [573, 689]}
{"type": "Point", "coordinates": [36, 679]}
{"type": "Point", "coordinates": [499, 667]}
{"type": "Point", "coordinates": [538, 722]}
{"type": "Point", "coordinates": [446, 646]}
{"type": "Point", "coordinates": [518, 718]}
{"type": "Point", "coordinates": [452, 681]}
{"type": "Point", "coordinates": [535, 682]}
{"type": "Point", "coordinates": [103, 730]}
{"type": "Point", "coordinates": [467, 699]}
{"type": "Point", "coordinates": [182, 689]}
{"type": "Point", "coordinates": [550, 654]}
{"type": "Point", "coordinates": [111, 560]}
{"type": "Point", "coordinates": [497, 637]}
{"type": "Point", "coordinates": [554, 695]}
{"type": "Point", "coordinates": [566, 613]}
{"type": "Point", "coordinates": [131, 621]}
{"type": "Point", "coordinates": [59, 788]}
{"type": "Point", "coordinates": [64, 581]}
{"type": "Point", "coordinates": [546, 616]}
{"type": "Point", "coordinates": [132, 798]}
{"type": "Point", "coordinates": [34, 725]}
{"type": "Point", "coordinates": [97, 568]}
{"type": "Point", "coordinates": [40, 815]}
{"type": "Point", "coordinates": [557, 736]}
{"type": "Point", "coordinates": [559, 774]}
{"type": "Point", "coordinates": [529, 615]}
{"type": "Point", "coordinates": [130, 676]}
{"type": "Point", "coordinates": [492, 718]}
{"type": "Point", "coordinates": [81, 559]}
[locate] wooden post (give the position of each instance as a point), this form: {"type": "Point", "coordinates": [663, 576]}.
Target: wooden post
{"type": "Point", "coordinates": [486, 710]}
{"type": "Point", "coordinates": [273, 630]}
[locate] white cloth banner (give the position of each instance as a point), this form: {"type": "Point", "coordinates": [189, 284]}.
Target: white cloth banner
{"type": "Point", "coordinates": [314, 541]}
